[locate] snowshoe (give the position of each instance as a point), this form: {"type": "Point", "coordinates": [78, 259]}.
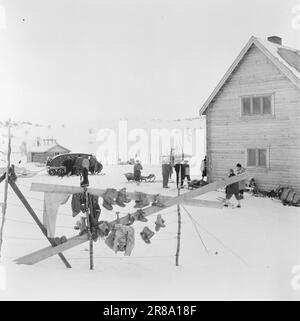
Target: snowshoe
{"type": "Point", "coordinates": [122, 198]}
{"type": "Point", "coordinates": [140, 216]}
{"type": "Point", "coordinates": [103, 228]}
{"type": "Point", "coordinates": [160, 222]}
{"type": "Point", "coordinates": [63, 239]}
{"type": "Point", "coordinates": [131, 219]}
{"type": "Point", "coordinates": [57, 241]}
{"type": "Point", "coordinates": [142, 200]}
{"type": "Point", "coordinates": [81, 225]}
{"type": "Point", "coordinates": [109, 198]}
{"type": "Point", "coordinates": [146, 235]}
{"type": "Point", "coordinates": [158, 201]}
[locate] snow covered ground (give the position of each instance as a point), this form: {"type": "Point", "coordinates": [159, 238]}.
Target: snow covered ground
{"type": "Point", "coordinates": [242, 254]}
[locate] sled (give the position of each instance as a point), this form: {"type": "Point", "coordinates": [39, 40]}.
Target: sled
{"type": "Point", "coordinates": [196, 183]}
{"type": "Point", "coordinates": [149, 179]}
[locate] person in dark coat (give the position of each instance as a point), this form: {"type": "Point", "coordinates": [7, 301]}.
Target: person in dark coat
{"type": "Point", "coordinates": [242, 184]}
{"type": "Point", "coordinates": [203, 168]}
{"type": "Point", "coordinates": [137, 168]}
{"type": "Point", "coordinates": [98, 168]}
{"type": "Point", "coordinates": [186, 172]}
{"type": "Point", "coordinates": [93, 164]}
{"type": "Point", "coordinates": [68, 163]}
{"type": "Point", "coordinates": [166, 170]}
{"type": "Point", "coordinates": [78, 164]}
{"type": "Point", "coordinates": [232, 189]}
{"type": "Point", "coordinates": [180, 173]}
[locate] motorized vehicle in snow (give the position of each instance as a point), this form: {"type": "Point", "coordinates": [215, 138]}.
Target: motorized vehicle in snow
{"type": "Point", "coordinates": [55, 165]}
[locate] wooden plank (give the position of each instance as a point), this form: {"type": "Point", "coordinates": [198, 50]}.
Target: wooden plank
{"type": "Point", "coordinates": [35, 217]}
{"type": "Point", "coordinates": [50, 251]}
{"type": "Point", "coordinates": [202, 203]}
{"type": "Point", "coordinates": [47, 252]}
{"type": "Point", "coordinates": [52, 188]}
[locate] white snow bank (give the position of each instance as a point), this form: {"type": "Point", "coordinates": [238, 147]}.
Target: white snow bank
{"type": "Point", "coordinates": [248, 253]}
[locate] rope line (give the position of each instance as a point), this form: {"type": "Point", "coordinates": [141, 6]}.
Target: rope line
{"type": "Point", "coordinates": [102, 257]}
{"type": "Point", "coordinates": [39, 239]}
{"type": "Point", "coordinates": [197, 231]}
{"type": "Point", "coordinates": [224, 245]}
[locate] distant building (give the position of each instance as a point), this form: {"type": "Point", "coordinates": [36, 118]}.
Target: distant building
{"type": "Point", "coordinates": [39, 154]}
{"type": "Point", "coordinates": [253, 116]}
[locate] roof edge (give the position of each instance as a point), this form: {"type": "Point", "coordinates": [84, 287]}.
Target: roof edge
{"type": "Point", "coordinates": [265, 51]}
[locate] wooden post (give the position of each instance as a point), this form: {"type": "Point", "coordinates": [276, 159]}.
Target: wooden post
{"type": "Point", "coordinates": [89, 227]}
{"type": "Point", "coordinates": [179, 222]}
{"type": "Point", "coordinates": [36, 219]}
{"type": "Point", "coordinates": [6, 185]}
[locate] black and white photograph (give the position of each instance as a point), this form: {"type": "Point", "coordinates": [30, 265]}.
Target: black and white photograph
{"type": "Point", "coordinates": [149, 151]}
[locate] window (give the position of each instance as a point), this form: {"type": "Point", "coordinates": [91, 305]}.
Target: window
{"type": "Point", "coordinates": [257, 157]}
{"type": "Point", "coordinates": [251, 157]}
{"type": "Point", "coordinates": [262, 157]}
{"type": "Point", "coordinates": [267, 105]}
{"type": "Point", "coordinates": [257, 105]}
{"type": "Point", "coordinates": [246, 103]}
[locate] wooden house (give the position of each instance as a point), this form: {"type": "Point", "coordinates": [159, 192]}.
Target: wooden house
{"type": "Point", "coordinates": [253, 116]}
{"type": "Point", "coordinates": [40, 154]}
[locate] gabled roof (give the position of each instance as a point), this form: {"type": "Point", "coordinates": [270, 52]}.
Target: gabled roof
{"type": "Point", "coordinates": [46, 148]}
{"type": "Point", "coordinates": [286, 59]}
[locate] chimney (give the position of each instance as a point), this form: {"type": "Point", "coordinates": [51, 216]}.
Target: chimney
{"type": "Point", "coordinates": [275, 39]}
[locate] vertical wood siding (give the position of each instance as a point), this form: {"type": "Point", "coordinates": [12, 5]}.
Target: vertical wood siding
{"type": "Point", "coordinates": [229, 134]}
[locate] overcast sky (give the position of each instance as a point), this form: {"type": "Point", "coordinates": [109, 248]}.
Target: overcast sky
{"type": "Point", "coordinates": [106, 59]}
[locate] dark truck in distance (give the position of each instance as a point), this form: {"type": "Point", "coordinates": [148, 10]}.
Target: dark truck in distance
{"type": "Point", "coordinates": [55, 165]}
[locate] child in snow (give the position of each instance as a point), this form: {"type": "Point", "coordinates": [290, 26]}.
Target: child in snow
{"type": "Point", "coordinates": [186, 172]}
{"type": "Point", "coordinates": [242, 184]}
{"type": "Point", "coordinates": [232, 189]}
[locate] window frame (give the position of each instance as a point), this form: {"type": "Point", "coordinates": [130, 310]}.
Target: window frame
{"type": "Point", "coordinates": [257, 149]}
{"type": "Point", "coordinates": [261, 96]}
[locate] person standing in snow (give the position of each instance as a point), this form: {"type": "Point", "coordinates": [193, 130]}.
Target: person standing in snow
{"type": "Point", "coordinates": [242, 184]}
{"type": "Point", "coordinates": [78, 164]}
{"type": "Point", "coordinates": [68, 163]}
{"type": "Point", "coordinates": [186, 172]}
{"type": "Point", "coordinates": [85, 172]}
{"type": "Point", "coordinates": [166, 170]}
{"type": "Point", "coordinates": [232, 189]}
{"type": "Point", "coordinates": [172, 161]}
{"type": "Point", "coordinates": [137, 168]}
{"type": "Point", "coordinates": [93, 164]}
{"type": "Point", "coordinates": [179, 173]}
{"type": "Point", "coordinates": [203, 168]}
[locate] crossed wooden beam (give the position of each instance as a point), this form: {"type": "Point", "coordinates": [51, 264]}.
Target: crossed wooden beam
{"type": "Point", "coordinates": [186, 199]}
